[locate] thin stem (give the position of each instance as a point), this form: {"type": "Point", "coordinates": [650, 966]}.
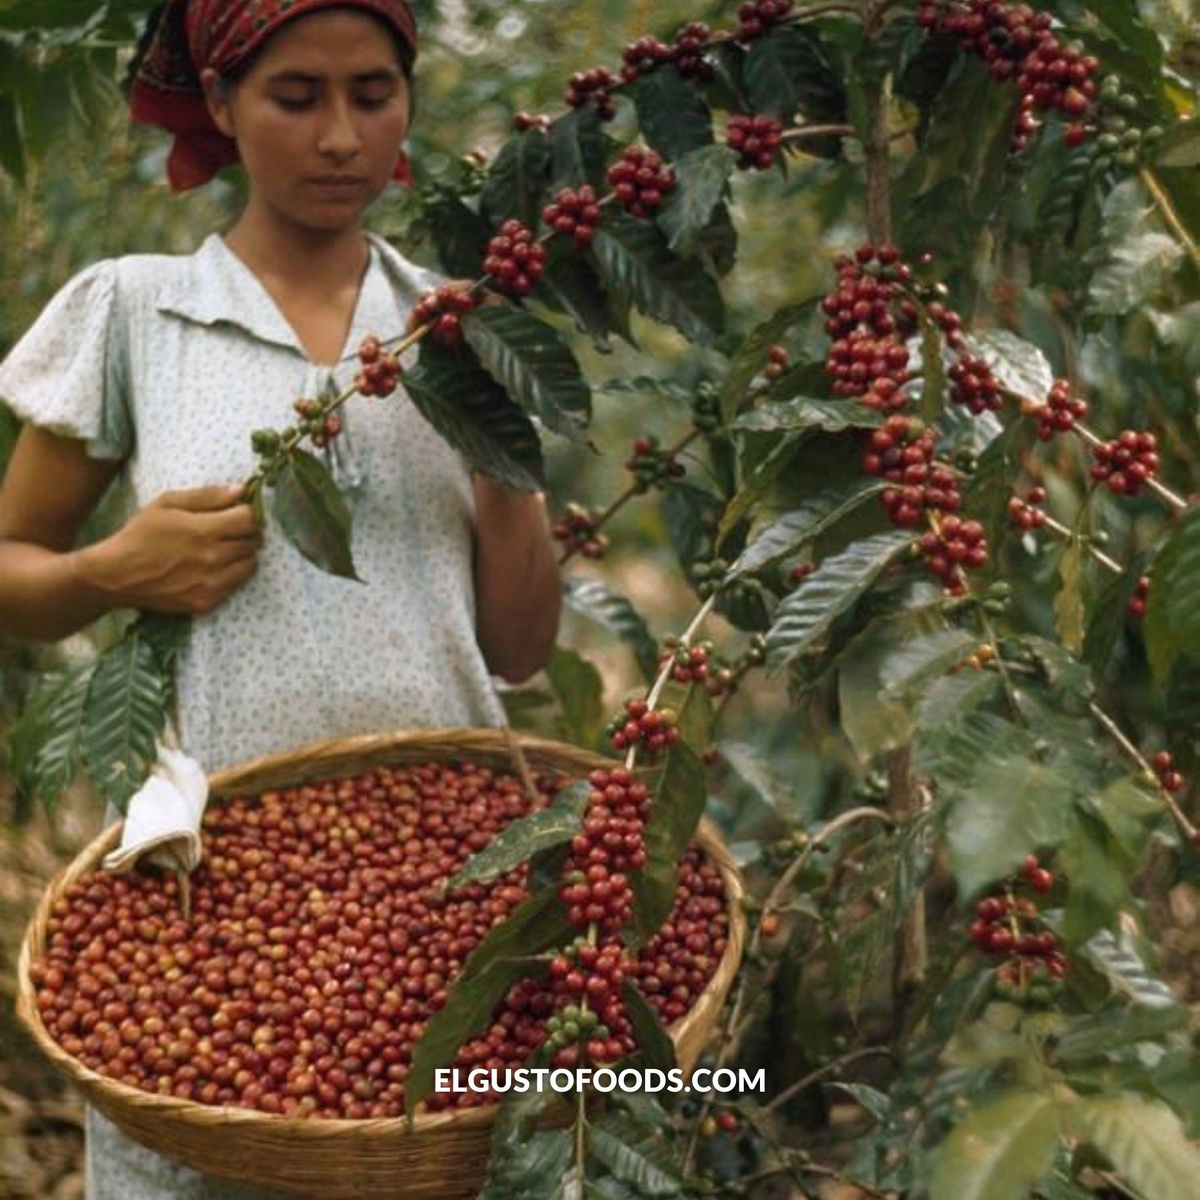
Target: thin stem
{"type": "Point", "coordinates": [630, 493]}
{"type": "Point", "coordinates": [1169, 215]}
{"type": "Point", "coordinates": [1117, 734]}
{"type": "Point", "coordinates": [831, 1173]}
{"type": "Point", "coordinates": [1096, 553]}
{"type": "Point", "coordinates": [794, 1089]}
{"type": "Point", "coordinates": [810, 131]}
{"type": "Point", "coordinates": [664, 674]}
{"type": "Point", "coordinates": [876, 145]}
{"type": "Point", "coordinates": [580, 1135]}
{"type": "Point", "coordinates": [1030, 407]}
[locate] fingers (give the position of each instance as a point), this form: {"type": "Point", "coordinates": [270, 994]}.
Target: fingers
{"type": "Point", "coordinates": [203, 499]}
{"type": "Point", "coordinates": [222, 583]}
{"type": "Point", "coordinates": [237, 522]}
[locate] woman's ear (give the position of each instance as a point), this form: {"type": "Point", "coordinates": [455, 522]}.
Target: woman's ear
{"type": "Point", "coordinates": [216, 97]}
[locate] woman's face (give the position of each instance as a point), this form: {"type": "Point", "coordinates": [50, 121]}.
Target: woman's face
{"type": "Point", "coordinates": [319, 118]}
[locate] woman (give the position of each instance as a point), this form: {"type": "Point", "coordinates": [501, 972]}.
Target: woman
{"type": "Point", "coordinates": [157, 368]}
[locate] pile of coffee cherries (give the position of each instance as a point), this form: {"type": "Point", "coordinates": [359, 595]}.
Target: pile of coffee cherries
{"type": "Point", "coordinates": [320, 942]}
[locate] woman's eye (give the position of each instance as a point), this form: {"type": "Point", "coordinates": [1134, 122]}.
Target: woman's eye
{"type": "Point", "coordinates": [294, 103]}
{"type": "Point", "coordinates": [374, 99]}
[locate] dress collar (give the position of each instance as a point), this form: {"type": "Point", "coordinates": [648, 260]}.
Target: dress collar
{"type": "Point", "coordinates": [216, 287]}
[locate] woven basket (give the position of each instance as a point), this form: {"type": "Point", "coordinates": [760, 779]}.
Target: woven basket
{"type": "Point", "coordinates": [444, 1156]}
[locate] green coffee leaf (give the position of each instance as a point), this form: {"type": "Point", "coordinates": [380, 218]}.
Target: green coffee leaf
{"type": "Point", "coordinates": [313, 515]}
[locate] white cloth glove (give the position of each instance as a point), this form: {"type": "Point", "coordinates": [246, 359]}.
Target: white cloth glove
{"type": "Point", "coordinates": [162, 823]}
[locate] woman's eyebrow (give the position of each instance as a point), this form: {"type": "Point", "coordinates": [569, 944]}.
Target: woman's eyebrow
{"type": "Point", "coordinates": [381, 74]}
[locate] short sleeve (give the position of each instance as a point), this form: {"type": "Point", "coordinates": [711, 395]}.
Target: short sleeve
{"type": "Point", "coordinates": [67, 375]}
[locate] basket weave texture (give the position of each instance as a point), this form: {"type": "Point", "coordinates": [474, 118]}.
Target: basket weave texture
{"type": "Point", "coordinates": [443, 1156]}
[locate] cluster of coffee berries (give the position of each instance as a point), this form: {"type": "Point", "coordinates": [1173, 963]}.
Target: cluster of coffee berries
{"type": "Point", "coordinates": [901, 451]}
{"type": "Point", "coordinates": [1169, 779]}
{"type": "Point", "coordinates": [1034, 874]}
{"type": "Point", "coordinates": [677, 962]}
{"type": "Point", "coordinates": [651, 465]}
{"type": "Point", "coordinates": [1060, 412]}
{"type": "Point", "coordinates": [799, 573]}
{"type": "Point", "coordinates": [1126, 462]}
{"type": "Point", "coordinates": [756, 17]}
{"type": "Point", "coordinates": [640, 180]}
{"type": "Point", "coordinates": [973, 386]}
{"type": "Point", "coordinates": [380, 371]}
{"type": "Point", "coordinates": [443, 309]}
{"type": "Point", "coordinates": [756, 140]}
{"type": "Point", "coordinates": [593, 87]}
{"type": "Point", "coordinates": [956, 547]}
{"type": "Point", "coordinates": [777, 362]}
{"type": "Point", "coordinates": [644, 55]}
{"type": "Point", "coordinates": [515, 260]}
{"type": "Point", "coordinates": [1010, 927]}
{"type": "Point", "coordinates": [577, 1032]}
{"type": "Point", "coordinates": [574, 214]}
{"type": "Point", "coordinates": [1019, 46]}
{"type": "Point", "coordinates": [689, 664]}
{"type": "Point", "coordinates": [577, 527]}
{"type": "Point", "coordinates": [1140, 598]}
{"type": "Point", "coordinates": [867, 356]}
{"type": "Point", "coordinates": [980, 657]}
{"type": "Point", "coordinates": [1118, 143]}
{"type": "Point", "coordinates": [690, 59]}
{"type": "Point", "coordinates": [724, 1121]}
{"type": "Point", "coordinates": [315, 423]}
{"type": "Point", "coordinates": [649, 728]}
{"type": "Point", "coordinates": [319, 945]}
{"type": "Point", "coordinates": [523, 122]}
{"type": "Point", "coordinates": [1026, 514]}
{"type": "Point", "coordinates": [671, 970]}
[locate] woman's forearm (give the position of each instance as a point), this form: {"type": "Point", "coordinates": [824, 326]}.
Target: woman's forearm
{"type": "Point", "coordinates": [517, 589]}
{"type": "Point", "coordinates": [48, 594]}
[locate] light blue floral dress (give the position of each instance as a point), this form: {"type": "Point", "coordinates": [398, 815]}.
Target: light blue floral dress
{"type": "Point", "coordinates": [169, 363]}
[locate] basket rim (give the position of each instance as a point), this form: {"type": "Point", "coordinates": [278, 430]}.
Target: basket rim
{"type": "Point", "coordinates": [448, 741]}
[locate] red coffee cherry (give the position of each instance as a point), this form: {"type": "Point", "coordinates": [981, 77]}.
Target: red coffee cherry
{"type": "Point", "coordinates": [688, 52]}
{"type": "Point", "coordinates": [1140, 597]}
{"type": "Point", "coordinates": [640, 181]}
{"type": "Point", "coordinates": [757, 17]}
{"type": "Point", "coordinates": [574, 213]}
{"type": "Point", "coordinates": [756, 139]}
{"type": "Point", "coordinates": [1017, 43]}
{"type": "Point", "coordinates": [593, 87]}
{"type": "Point", "coordinates": [515, 262]}
{"type": "Point", "coordinates": [443, 308]}
{"type": "Point", "coordinates": [1060, 412]}
{"type": "Point", "coordinates": [577, 528]}
{"type": "Point", "coordinates": [1126, 462]}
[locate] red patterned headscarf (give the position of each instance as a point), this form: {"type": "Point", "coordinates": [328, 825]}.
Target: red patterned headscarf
{"type": "Point", "coordinates": [194, 34]}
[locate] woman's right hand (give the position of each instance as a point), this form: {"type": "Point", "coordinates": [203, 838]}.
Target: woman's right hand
{"type": "Point", "coordinates": [184, 552]}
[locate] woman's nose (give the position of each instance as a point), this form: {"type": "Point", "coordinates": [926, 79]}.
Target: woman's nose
{"type": "Point", "coordinates": [339, 134]}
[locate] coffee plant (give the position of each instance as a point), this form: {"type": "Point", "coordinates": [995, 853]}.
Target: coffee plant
{"type": "Point", "coordinates": [946, 496]}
